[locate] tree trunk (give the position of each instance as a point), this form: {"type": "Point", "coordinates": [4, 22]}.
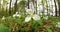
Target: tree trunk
{"type": "Point", "coordinates": [55, 8]}
{"type": "Point", "coordinates": [28, 4]}
{"type": "Point", "coordinates": [10, 7]}
{"type": "Point", "coordinates": [59, 6]}
{"type": "Point", "coordinates": [47, 7]}
{"type": "Point", "coordinates": [15, 7]}
{"type": "Point", "coordinates": [43, 7]}
{"type": "Point", "coordinates": [59, 9]}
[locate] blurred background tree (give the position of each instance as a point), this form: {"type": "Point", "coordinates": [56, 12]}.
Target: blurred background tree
{"type": "Point", "coordinates": [11, 6]}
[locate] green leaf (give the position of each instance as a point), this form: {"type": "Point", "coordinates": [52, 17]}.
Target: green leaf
{"type": "Point", "coordinates": [3, 28]}
{"type": "Point", "coordinates": [48, 29]}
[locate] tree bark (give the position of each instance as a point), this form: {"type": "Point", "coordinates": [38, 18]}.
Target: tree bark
{"type": "Point", "coordinates": [55, 8]}
{"type": "Point", "coordinates": [15, 7]}
{"type": "Point", "coordinates": [59, 9]}
{"type": "Point", "coordinates": [59, 6]}
{"type": "Point", "coordinates": [10, 7]}
{"type": "Point", "coordinates": [28, 4]}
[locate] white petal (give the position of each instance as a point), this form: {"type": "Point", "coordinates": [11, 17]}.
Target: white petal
{"type": "Point", "coordinates": [3, 18]}
{"type": "Point", "coordinates": [16, 12]}
{"type": "Point", "coordinates": [36, 17]}
{"type": "Point", "coordinates": [27, 19]}
{"type": "Point", "coordinates": [58, 22]}
{"type": "Point", "coordinates": [29, 11]}
{"type": "Point", "coordinates": [14, 15]}
{"type": "Point", "coordinates": [18, 15]}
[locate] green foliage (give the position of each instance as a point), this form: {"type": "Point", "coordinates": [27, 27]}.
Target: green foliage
{"type": "Point", "coordinates": [27, 26]}
{"type": "Point", "coordinates": [48, 29]}
{"type": "Point", "coordinates": [3, 28]}
{"type": "Point", "coordinates": [43, 1]}
{"type": "Point", "coordinates": [58, 0]}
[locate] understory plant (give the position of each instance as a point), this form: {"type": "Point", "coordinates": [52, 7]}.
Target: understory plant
{"type": "Point", "coordinates": [28, 23]}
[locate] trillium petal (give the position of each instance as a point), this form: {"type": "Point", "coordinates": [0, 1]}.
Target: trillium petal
{"type": "Point", "coordinates": [29, 11]}
{"type": "Point", "coordinates": [14, 15]}
{"type": "Point", "coordinates": [18, 15]}
{"type": "Point", "coordinates": [27, 19]}
{"type": "Point", "coordinates": [16, 12]}
{"type": "Point", "coordinates": [3, 18]}
{"type": "Point", "coordinates": [36, 17]}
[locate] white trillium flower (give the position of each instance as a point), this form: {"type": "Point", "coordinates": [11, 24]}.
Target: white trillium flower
{"type": "Point", "coordinates": [3, 18]}
{"type": "Point", "coordinates": [35, 17]}
{"type": "Point", "coordinates": [17, 15]}
{"type": "Point", "coordinates": [58, 24]}
{"type": "Point", "coordinates": [31, 15]}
